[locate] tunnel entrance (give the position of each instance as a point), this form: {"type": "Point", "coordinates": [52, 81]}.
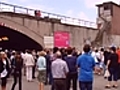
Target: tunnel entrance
{"type": "Point", "coordinates": [11, 39]}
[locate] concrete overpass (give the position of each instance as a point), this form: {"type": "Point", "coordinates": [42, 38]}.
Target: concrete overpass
{"type": "Point", "coordinates": [38, 27]}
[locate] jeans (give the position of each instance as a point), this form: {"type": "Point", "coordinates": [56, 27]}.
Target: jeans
{"type": "Point", "coordinates": [50, 77]}
{"type": "Point", "coordinates": [113, 74]}
{"type": "Point", "coordinates": [33, 71]}
{"type": "Point", "coordinates": [85, 85]}
{"type": "Point", "coordinates": [17, 76]}
{"type": "Point", "coordinates": [72, 77]}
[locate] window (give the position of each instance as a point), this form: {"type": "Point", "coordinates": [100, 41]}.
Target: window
{"type": "Point", "coordinates": [107, 7]}
{"type": "Point", "coordinates": [101, 10]}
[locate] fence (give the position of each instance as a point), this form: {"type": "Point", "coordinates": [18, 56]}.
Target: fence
{"type": "Point", "coordinates": [4, 7]}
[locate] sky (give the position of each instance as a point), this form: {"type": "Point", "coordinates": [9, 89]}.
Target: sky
{"type": "Point", "coordinates": [82, 9]}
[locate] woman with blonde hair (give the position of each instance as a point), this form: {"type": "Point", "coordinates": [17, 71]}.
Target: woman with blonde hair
{"type": "Point", "coordinates": [4, 70]}
{"type": "Point", "coordinates": [41, 66]}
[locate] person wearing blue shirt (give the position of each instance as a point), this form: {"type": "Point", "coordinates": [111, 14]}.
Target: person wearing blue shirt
{"type": "Point", "coordinates": [86, 64]}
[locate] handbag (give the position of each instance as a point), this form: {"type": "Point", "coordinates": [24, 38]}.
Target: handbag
{"type": "Point", "coordinates": [4, 73]}
{"type": "Point", "coordinates": [107, 74]}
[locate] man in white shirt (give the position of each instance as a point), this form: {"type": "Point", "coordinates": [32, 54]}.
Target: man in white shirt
{"type": "Point", "coordinates": [24, 67]}
{"type": "Point", "coordinates": [29, 63]}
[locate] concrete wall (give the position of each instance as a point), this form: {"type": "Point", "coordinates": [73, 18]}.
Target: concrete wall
{"type": "Point", "coordinates": [111, 40]}
{"type": "Point", "coordinates": [116, 40]}
{"type": "Point", "coordinates": [38, 28]}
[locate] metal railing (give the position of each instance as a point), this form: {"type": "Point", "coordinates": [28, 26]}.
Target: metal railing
{"type": "Point", "coordinates": [4, 7]}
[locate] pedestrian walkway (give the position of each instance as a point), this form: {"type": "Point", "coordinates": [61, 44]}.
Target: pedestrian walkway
{"type": "Point", "coordinates": [99, 84]}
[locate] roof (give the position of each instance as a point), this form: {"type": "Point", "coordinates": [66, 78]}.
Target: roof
{"type": "Point", "coordinates": [110, 2]}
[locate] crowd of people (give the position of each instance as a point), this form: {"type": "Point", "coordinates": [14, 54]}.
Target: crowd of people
{"type": "Point", "coordinates": [59, 67]}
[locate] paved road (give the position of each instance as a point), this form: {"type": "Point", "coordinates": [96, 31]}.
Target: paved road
{"type": "Point", "coordinates": [99, 84]}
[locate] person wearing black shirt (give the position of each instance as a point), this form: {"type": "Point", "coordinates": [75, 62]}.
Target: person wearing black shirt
{"type": "Point", "coordinates": [112, 66]}
{"type": "Point", "coordinates": [106, 55]}
{"type": "Point", "coordinates": [4, 70]}
{"type": "Point", "coordinates": [17, 65]}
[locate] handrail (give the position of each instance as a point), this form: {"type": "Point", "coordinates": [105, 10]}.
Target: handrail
{"type": "Point", "coordinates": [64, 19]}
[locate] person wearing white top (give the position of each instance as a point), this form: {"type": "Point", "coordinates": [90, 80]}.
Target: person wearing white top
{"type": "Point", "coordinates": [93, 54]}
{"type": "Point", "coordinates": [59, 71]}
{"type": "Point", "coordinates": [24, 67]}
{"type": "Point", "coordinates": [29, 63]}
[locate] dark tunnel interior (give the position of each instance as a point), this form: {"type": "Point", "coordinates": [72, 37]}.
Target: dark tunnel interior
{"type": "Point", "coordinates": [14, 40]}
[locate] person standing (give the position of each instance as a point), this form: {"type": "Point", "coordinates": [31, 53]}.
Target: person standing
{"type": "Point", "coordinates": [107, 53]}
{"type": "Point", "coordinates": [41, 66]}
{"type": "Point", "coordinates": [29, 63]}
{"type": "Point", "coordinates": [113, 68]}
{"type": "Point", "coordinates": [17, 65]}
{"type": "Point", "coordinates": [24, 67]}
{"type": "Point", "coordinates": [12, 55]}
{"type": "Point", "coordinates": [4, 72]}
{"type": "Point", "coordinates": [34, 67]}
{"type": "Point", "coordinates": [73, 74]}
{"type": "Point", "coordinates": [12, 58]}
{"type": "Point", "coordinates": [118, 52]}
{"type": "Point", "coordinates": [59, 71]}
{"type": "Point", "coordinates": [86, 63]}
{"type": "Point", "coordinates": [52, 58]}
{"type": "Point", "coordinates": [48, 68]}
{"type": "Point", "coordinates": [9, 63]}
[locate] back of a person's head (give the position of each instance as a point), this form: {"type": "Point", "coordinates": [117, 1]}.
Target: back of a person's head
{"type": "Point", "coordinates": [48, 52]}
{"type": "Point", "coordinates": [58, 54]}
{"type": "Point", "coordinates": [102, 49]}
{"type": "Point", "coordinates": [28, 51]}
{"type": "Point", "coordinates": [113, 49]}
{"type": "Point", "coordinates": [13, 52]}
{"type": "Point", "coordinates": [96, 50]}
{"type": "Point", "coordinates": [42, 53]}
{"type": "Point", "coordinates": [69, 50]}
{"type": "Point", "coordinates": [86, 48]}
{"type": "Point", "coordinates": [18, 54]}
{"type": "Point", "coordinates": [55, 49]}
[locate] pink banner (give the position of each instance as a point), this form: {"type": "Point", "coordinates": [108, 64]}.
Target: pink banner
{"type": "Point", "coordinates": [61, 39]}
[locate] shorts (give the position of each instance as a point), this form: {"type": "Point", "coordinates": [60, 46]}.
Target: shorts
{"type": "Point", "coordinates": [99, 65]}
{"type": "Point", "coordinates": [3, 82]}
{"type": "Point", "coordinates": [41, 76]}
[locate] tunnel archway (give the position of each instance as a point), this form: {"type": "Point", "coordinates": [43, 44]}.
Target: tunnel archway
{"type": "Point", "coordinates": [11, 39]}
